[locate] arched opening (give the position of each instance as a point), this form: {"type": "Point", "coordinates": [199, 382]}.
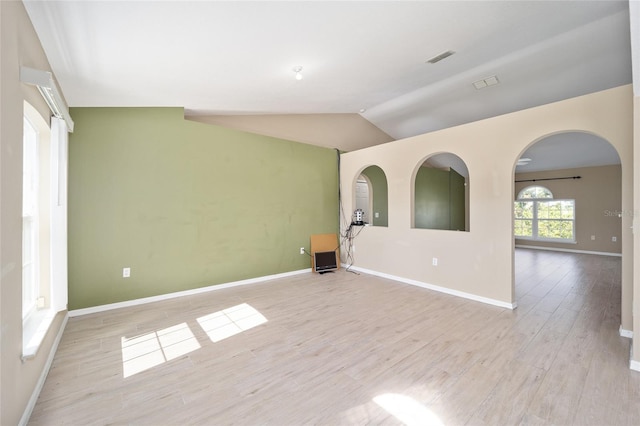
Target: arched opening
{"type": "Point", "coordinates": [441, 193]}
{"type": "Point", "coordinates": [567, 203]}
{"type": "Point", "coordinates": [364, 197]}
{"type": "Point", "coordinates": [371, 196]}
{"type": "Point", "coordinates": [572, 166]}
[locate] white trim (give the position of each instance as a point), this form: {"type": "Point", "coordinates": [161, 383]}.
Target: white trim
{"type": "Point", "coordinates": [625, 333]}
{"type": "Point", "coordinates": [599, 253]}
{"type": "Point", "coordinates": [58, 206]}
{"type": "Point", "coordinates": [144, 300]}
{"type": "Point", "coordinates": [48, 88]}
{"type": "Point", "coordinates": [43, 375]}
{"type": "Point", "coordinates": [633, 365]}
{"type": "Point", "coordinates": [438, 288]}
{"type": "Point", "coordinates": [34, 330]}
{"type": "Point", "coordinates": [544, 240]}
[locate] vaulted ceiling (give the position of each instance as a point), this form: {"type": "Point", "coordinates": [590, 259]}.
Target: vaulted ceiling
{"type": "Point", "coordinates": [367, 59]}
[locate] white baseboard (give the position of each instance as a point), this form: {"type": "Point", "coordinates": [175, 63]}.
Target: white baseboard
{"type": "Point", "coordinates": [144, 300]}
{"type": "Point", "coordinates": [439, 288]}
{"type": "Point", "coordinates": [599, 253]}
{"type": "Point", "coordinates": [625, 333]}
{"type": "Point", "coordinates": [43, 375]}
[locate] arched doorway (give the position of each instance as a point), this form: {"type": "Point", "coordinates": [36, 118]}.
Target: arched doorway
{"type": "Point", "coordinates": [567, 204]}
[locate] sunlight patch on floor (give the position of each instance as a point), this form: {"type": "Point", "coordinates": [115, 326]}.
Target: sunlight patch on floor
{"type": "Point", "coordinates": [407, 410]}
{"type": "Point", "coordinates": [231, 321]}
{"type": "Point", "coordinates": [146, 351]}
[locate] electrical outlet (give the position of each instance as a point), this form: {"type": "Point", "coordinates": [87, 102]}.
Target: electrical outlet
{"type": "Point", "coordinates": [434, 262]}
{"type": "Point", "coordinates": [614, 239]}
{"type": "Point", "coordinates": [126, 272]}
{"type": "Point", "coordinates": [593, 237]}
{"type": "Point", "coordinates": [377, 215]}
{"type": "Point", "coordinates": [301, 250]}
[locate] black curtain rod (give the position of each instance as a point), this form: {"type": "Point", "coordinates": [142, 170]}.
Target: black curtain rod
{"type": "Point", "coordinates": [559, 178]}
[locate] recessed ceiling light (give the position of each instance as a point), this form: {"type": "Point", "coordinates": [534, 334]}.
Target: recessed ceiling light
{"type": "Point", "coordinates": [523, 161]}
{"type": "Point", "coordinates": [362, 110]}
{"type": "Point", "coordinates": [440, 57]}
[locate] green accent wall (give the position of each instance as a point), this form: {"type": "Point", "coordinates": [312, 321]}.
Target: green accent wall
{"type": "Point", "coordinates": [456, 201]}
{"type": "Point", "coordinates": [439, 199]}
{"type": "Point", "coordinates": [380, 195]}
{"type": "Point", "coordinates": [186, 204]}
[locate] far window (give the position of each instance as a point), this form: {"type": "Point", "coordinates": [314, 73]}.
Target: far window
{"type": "Point", "coordinates": [30, 225]}
{"type": "Point", "coordinates": [538, 216]}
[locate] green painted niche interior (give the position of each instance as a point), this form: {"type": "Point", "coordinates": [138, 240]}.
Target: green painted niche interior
{"type": "Point", "coordinates": [440, 199]}
{"type": "Point", "coordinates": [186, 204]}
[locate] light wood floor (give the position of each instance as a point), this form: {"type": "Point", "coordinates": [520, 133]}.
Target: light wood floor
{"type": "Point", "coordinates": [338, 348]}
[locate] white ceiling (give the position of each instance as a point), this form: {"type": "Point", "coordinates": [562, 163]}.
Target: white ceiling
{"type": "Point", "coordinates": [236, 57]}
{"type": "Point", "coordinates": [568, 151]}
{"type": "Point", "coordinates": [561, 151]}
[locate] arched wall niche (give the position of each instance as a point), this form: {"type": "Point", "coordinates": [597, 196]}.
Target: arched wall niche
{"type": "Point", "coordinates": [440, 193]}
{"type": "Point", "coordinates": [371, 195]}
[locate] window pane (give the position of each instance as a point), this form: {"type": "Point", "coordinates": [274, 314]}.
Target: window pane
{"type": "Point", "coordinates": [542, 192]}
{"type": "Point", "coordinates": [523, 209]}
{"type": "Point", "coordinates": [568, 209]}
{"type": "Point", "coordinates": [523, 228]}
{"type": "Point", "coordinates": [29, 266]}
{"type": "Point", "coordinates": [30, 241]}
{"type": "Point", "coordinates": [562, 209]}
{"type": "Point", "coordinates": [535, 192]}
{"type": "Point", "coordinates": [549, 210]}
{"type": "Point", "coordinates": [543, 210]}
{"type": "Point", "coordinates": [527, 193]}
{"type": "Point", "coordinates": [29, 170]}
{"type": "Point", "coordinates": [560, 229]}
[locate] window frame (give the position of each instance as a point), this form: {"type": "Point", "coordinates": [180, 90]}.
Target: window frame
{"type": "Point", "coordinates": [30, 221]}
{"type": "Point", "coordinates": [535, 219]}
{"type": "Point", "coordinates": [51, 290]}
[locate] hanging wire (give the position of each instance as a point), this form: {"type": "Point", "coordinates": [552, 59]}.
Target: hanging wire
{"type": "Point", "coordinates": [348, 236]}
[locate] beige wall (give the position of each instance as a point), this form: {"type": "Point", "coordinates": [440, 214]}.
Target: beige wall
{"type": "Point", "coordinates": [19, 45]}
{"type": "Point", "coordinates": [347, 132]}
{"type": "Point", "coordinates": [480, 262]}
{"type": "Point", "coordinates": [598, 200]}
{"type": "Point", "coordinates": [634, 292]}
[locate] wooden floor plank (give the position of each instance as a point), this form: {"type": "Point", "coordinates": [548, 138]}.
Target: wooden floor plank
{"type": "Point", "coordinates": [340, 348]}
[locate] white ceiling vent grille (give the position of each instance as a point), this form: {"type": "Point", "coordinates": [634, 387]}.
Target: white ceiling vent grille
{"type": "Point", "coordinates": [486, 82]}
{"type": "Point", "coordinates": [440, 57]}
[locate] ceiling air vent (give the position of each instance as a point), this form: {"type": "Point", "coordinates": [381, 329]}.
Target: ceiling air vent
{"type": "Point", "coordinates": [486, 82]}
{"type": "Point", "coordinates": [440, 57]}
